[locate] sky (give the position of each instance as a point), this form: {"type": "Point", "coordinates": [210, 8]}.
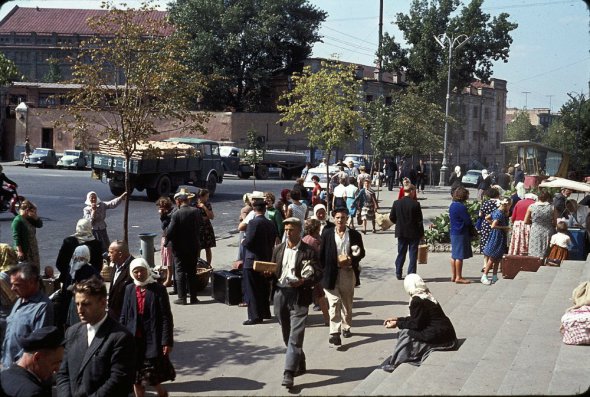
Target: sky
{"type": "Point", "coordinates": [549, 57]}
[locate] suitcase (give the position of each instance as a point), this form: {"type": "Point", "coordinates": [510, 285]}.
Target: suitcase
{"type": "Point", "coordinates": [512, 264]}
{"type": "Point", "coordinates": [227, 286]}
{"type": "Point", "coordinates": [578, 251]}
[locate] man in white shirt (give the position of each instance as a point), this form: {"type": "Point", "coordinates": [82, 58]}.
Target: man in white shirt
{"type": "Point", "coordinates": [297, 272]}
{"type": "Point", "coordinates": [99, 356]}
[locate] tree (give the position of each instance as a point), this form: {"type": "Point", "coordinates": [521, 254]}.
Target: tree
{"type": "Point", "coordinates": [326, 105]}
{"type": "Point", "coordinates": [521, 129]}
{"type": "Point", "coordinates": [425, 62]}
{"type": "Point", "coordinates": [8, 71]}
{"type": "Point", "coordinates": [243, 43]}
{"type": "Point", "coordinates": [54, 73]}
{"type": "Point", "coordinates": [131, 75]}
{"type": "Point", "coordinates": [575, 116]}
{"type": "Point", "coordinates": [560, 137]}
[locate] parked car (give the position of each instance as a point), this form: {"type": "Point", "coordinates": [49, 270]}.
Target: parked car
{"type": "Point", "coordinates": [470, 178]}
{"type": "Point", "coordinates": [321, 173]}
{"type": "Point", "coordinates": [42, 158]}
{"type": "Point", "coordinates": [73, 159]}
{"type": "Point", "coordinates": [358, 160]}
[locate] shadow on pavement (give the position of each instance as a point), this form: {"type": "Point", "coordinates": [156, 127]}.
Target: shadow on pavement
{"type": "Point", "coordinates": [336, 376]}
{"type": "Point", "coordinates": [226, 348]}
{"type": "Point", "coordinates": [222, 383]}
{"type": "Point", "coordinates": [361, 304]}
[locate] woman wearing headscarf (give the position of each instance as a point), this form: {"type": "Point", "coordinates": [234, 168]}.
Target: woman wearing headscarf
{"type": "Point", "coordinates": [484, 182]}
{"type": "Point", "coordinates": [542, 219]}
{"type": "Point", "coordinates": [519, 241]}
{"type": "Point", "coordinates": [425, 330]}
{"type": "Point", "coordinates": [575, 323]}
{"type": "Point", "coordinates": [82, 236]}
{"type": "Point", "coordinates": [24, 233]}
{"type": "Point", "coordinates": [80, 270]}
{"type": "Point", "coordinates": [96, 212]}
{"type": "Point", "coordinates": [146, 314]}
{"type": "Point", "coordinates": [455, 180]}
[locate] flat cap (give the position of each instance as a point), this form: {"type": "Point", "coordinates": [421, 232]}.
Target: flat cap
{"type": "Point", "coordinates": [48, 337]}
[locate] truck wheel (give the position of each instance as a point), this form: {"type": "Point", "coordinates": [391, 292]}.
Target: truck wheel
{"type": "Point", "coordinates": [163, 188]}
{"type": "Point", "coordinates": [286, 174]}
{"type": "Point", "coordinates": [211, 184]}
{"type": "Point", "coordinates": [243, 175]}
{"type": "Point", "coordinates": [261, 172]}
{"type": "Point", "coordinates": [116, 190]}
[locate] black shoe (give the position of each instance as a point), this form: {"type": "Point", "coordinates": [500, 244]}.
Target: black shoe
{"type": "Point", "coordinates": [287, 379]}
{"type": "Point", "coordinates": [180, 301]}
{"type": "Point", "coordinates": [346, 333]}
{"type": "Point", "coordinates": [335, 340]}
{"type": "Point", "coordinates": [173, 292]}
{"type": "Point", "coordinates": [252, 322]}
{"type": "Point", "coordinates": [399, 276]}
{"type": "Point", "coordinates": [194, 300]}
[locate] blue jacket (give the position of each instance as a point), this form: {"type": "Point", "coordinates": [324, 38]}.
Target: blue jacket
{"type": "Point", "coordinates": [460, 219]}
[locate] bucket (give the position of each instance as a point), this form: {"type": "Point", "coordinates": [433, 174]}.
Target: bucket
{"type": "Point", "coordinates": [423, 253]}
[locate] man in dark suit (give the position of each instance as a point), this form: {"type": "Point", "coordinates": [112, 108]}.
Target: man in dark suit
{"type": "Point", "coordinates": [341, 252]}
{"type": "Point", "coordinates": [297, 272]}
{"type": "Point", "coordinates": [99, 357]}
{"type": "Point", "coordinates": [258, 245]}
{"type": "Point", "coordinates": [183, 232]}
{"type": "Point", "coordinates": [121, 258]}
{"type": "Point", "coordinates": [406, 214]}
{"type": "Point", "coordinates": [42, 355]}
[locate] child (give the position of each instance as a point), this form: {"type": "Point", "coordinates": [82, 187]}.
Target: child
{"type": "Point", "coordinates": [497, 241]}
{"type": "Point", "coordinates": [207, 235]}
{"type": "Point", "coordinates": [559, 245]}
{"type": "Point", "coordinates": [48, 273]}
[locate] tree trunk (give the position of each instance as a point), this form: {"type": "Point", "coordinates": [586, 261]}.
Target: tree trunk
{"type": "Point", "coordinates": [127, 196]}
{"type": "Point", "coordinates": [328, 198]}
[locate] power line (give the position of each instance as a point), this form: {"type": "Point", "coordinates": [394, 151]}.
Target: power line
{"type": "Point", "coordinates": [554, 70]}
{"type": "Point", "coordinates": [336, 39]}
{"type": "Point", "coordinates": [349, 35]}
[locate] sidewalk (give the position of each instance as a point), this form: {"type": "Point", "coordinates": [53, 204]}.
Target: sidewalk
{"type": "Point", "coordinates": [215, 354]}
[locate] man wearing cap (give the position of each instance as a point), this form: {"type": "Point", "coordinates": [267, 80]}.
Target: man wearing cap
{"type": "Point", "coordinates": [341, 251]}
{"type": "Point", "coordinates": [183, 232]}
{"type": "Point", "coordinates": [297, 272]}
{"type": "Point", "coordinates": [406, 214]}
{"type": "Point", "coordinates": [31, 311]}
{"type": "Point", "coordinates": [99, 356]}
{"type": "Point", "coordinates": [258, 244]}
{"type": "Point", "coordinates": [42, 355]}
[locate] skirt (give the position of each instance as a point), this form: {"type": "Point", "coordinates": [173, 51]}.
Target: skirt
{"type": "Point", "coordinates": [412, 351]}
{"type": "Point", "coordinates": [556, 255]}
{"type": "Point", "coordinates": [152, 371]}
{"type": "Point", "coordinates": [461, 247]}
{"type": "Point", "coordinates": [367, 213]}
{"type": "Point", "coordinates": [519, 241]}
{"type": "Point", "coordinates": [166, 254]}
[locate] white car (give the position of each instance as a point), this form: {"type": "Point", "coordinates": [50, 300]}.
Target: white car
{"type": "Point", "coordinates": [470, 178]}
{"type": "Point", "coordinates": [73, 159]}
{"type": "Point", "coordinates": [321, 173]}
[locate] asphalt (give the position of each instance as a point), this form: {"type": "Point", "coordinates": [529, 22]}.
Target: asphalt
{"type": "Point", "coordinates": [215, 354]}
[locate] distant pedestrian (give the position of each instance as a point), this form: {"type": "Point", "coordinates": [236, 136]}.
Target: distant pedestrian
{"type": "Point", "coordinates": [96, 212]}
{"type": "Point", "coordinates": [389, 170]}
{"type": "Point", "coordinates": [246, 209]}
{"type": "Point", "coordinates": [305, 170]}
{"type": "Point", "coordinates": [420, 176]}
{"type": "Point", "coordinates": [368, 205]}
{"type": "Point", "coordinates": [503, 179]}
{"type": "Point", "coordinates": [460, 232]}
{"type": "Point", "coordinates": [497, 242]}
{"type": "Point", "coordinates": [518, 174]}
{"type": "Point", "coordinates": [303, 193]}
{"type": "Point", "coordinates": [339, 196]}
{"type": "Point", "coordinates": [363, 175]}
{"type": "Point", "coordinates": [455, 180]}
{"type": "Point", "coordinates": [316, 191]}
{"type": "Point", "coordinates": [484, 182]}
{"type": "Point", "coordinates": [284, 202]}
{"type": "Point", "coordinates": [24, 233]}
{"type": "Point", "coordinates": [406, 214]}
{"type": "Point", "coordinates": [353, 171]}
{"type": "Point", "coordinates": [274, 215]}
{"type": "Point", "coordinates": [296, 209]}
{"type": "Point", "coordinates": [351, 192]}
{"type": "Point", "coordinates": [165, 208]}
{"type": "Point", "coordinates": [519, 240]}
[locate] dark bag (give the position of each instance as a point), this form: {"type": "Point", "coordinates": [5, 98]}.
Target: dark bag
{"type": "Point", "coordinates": [473, 232]}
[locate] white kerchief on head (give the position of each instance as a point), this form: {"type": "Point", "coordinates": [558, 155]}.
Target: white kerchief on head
{"type": "Point", "coordinates": [415, 286]}
{"type": "Point", "coordinates": [87, 202]}
{"type": "Point", "coordinates": [520, 191]}
{"type": "Point", "coordinates": [84, 231]}
{"type": "Point", "coordinates": [458, 170]}
{"type": "Point", "coordinates": [140, 262]}
{"type": "Point", "coordinates": [80, 257]}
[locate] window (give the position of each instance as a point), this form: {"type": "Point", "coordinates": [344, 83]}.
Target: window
{"type": "Point", "coordinates": [475, 112]}
{"type": "Point", "coordinates": [486, 113]}
{"type": "Point", "coordinates": [46, 100]}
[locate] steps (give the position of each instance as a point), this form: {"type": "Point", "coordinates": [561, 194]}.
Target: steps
{"type": "Point", "coordinates": [512, 342]}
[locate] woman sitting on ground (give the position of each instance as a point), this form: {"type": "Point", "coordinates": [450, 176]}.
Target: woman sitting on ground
{"type": "Point", "coordinates": [575, 323]}
{"type": "Point", "coordinates": [425, 330]}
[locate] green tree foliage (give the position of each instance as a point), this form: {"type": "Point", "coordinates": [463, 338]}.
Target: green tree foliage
{"type": "Point", "coordinates": [521, 129]}
{"type": "Point", "coordinates": [326, 105]}
{"type": "Point", "coordinates": [411, 125]}
{"type": "Point", "coordinates": [54, 73]}
{"type": "Point", "coordinates": [243, 43]}
{"type": "Point", "coordinates": [135, 44]}
{"type": "Point", "coordinates": [426, 63]}
{"type": "Point", "coordinates": [560, 137]}
{"type": "Point", "coordinates": [575, 116]}
{"type": "Point", "coordinates": [8, 71]}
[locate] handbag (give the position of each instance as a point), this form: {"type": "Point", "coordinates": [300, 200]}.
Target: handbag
{"type": "Point", "coordinates": [473, 232]}
{"type": "Point", "coordinates": [575, 326]}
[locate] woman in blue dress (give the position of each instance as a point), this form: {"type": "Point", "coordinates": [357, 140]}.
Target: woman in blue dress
{"type": "Point", "coordinates": [497, 241]}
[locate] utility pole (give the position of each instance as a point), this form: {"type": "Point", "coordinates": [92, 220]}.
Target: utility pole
{"type": "Point", "coordinates": [380, 57]}
{"type": "Point", "coordinates": [550, 101]}
{"type": "Point", "coordinates": [526, 97]}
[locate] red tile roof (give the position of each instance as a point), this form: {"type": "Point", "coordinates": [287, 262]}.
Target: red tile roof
{"type": "Point", "coordinates": [52, 20]}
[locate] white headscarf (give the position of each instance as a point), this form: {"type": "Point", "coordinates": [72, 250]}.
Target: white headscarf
{"type": "Point", "coordinates": [581, 295]}
{"type": "Point", "coordinates": [458, 170]}
{"type": "Point", "coordinates": [484, 174]}
{"type": "Point", "coordinates": [84, 231]}
{"type": "Point", "coordinates": [415, 286]}
{"type": "Point", "coordinates": [520, 191]}
{"type": "Point", "coordinates": [80, 257]}
{"type": "Point", "coordinates": [140, 262]}
{"type": "Point", "coordinates": [87, 202]}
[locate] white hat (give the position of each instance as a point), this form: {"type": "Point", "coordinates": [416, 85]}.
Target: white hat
{"type": "Point", "coordinates": [184, 194]}
{"type": "Point", "coordinates": [516, 165]}
{"type": "Point", "coordinates": [257, 195]}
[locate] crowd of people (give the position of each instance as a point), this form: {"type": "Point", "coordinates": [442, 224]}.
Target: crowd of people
{"type": "Point", "coordinates": [292, 253]}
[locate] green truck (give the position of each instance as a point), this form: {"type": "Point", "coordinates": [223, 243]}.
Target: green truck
{"type": "Point", "coordinates": [160, 167]}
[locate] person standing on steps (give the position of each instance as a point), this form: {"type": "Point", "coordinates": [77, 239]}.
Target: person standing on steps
{"type": "Point", "coordinates": [406, 215]}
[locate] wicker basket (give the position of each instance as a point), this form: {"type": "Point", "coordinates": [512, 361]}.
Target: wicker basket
{"type": "Point", "coordinates": [107, 273]}
{"type": "Point", "coordinates": [203, 274]}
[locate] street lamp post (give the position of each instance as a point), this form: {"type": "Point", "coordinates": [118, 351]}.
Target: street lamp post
{"type": "Point", "coordinates": [453, 43]}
